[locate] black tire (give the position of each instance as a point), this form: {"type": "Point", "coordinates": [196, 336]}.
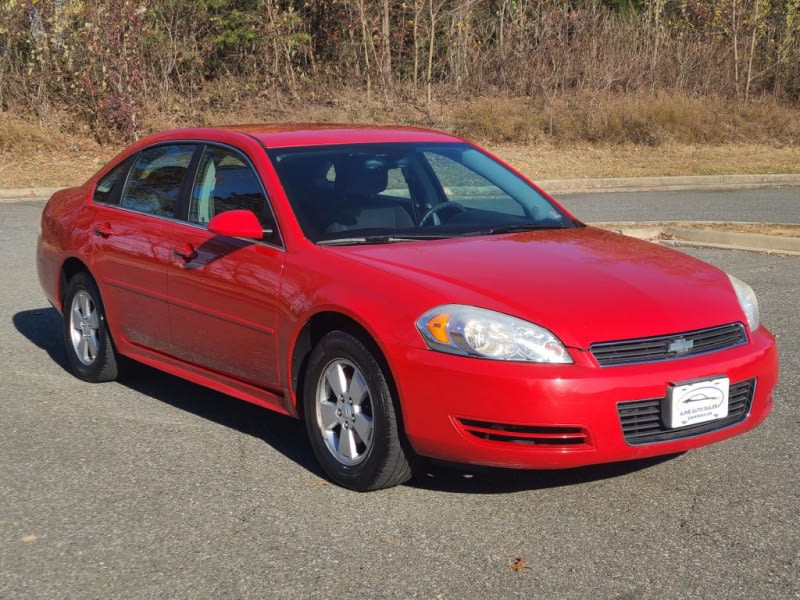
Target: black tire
{"type": "Point", "coordinates": [90, 351]}
{"type": "Point", "coordinates": [338, 424]}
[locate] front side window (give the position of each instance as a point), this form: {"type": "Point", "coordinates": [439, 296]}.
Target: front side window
{"type": "Point", "coordinates": [226, 181]}
{"type": "Point", "coordinates": [408, 191]}
{"type": "Point", "coordinates": [155, 181]}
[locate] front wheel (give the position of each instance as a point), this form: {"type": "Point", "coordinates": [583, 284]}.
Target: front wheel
{"type": "Point", "coordinates": [90, 352]}
{"type": "Point", "coordinates": [350, 415]}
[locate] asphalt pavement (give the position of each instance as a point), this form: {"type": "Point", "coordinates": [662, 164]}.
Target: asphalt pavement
{"type": "Point", "coordinates": [157, 488]}
{"type": "Point", "coordinates": [765, 205]}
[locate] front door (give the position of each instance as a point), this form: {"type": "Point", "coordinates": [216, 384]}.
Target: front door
{"type": "Point", "coordinates": [223, 291]}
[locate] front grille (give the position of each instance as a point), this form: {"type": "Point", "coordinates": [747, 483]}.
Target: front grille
{"type": "Point", "coordinates": [642, 423]}
{"type": "Point", "coordinates": [525, 434]}
{"type": "Point", "coordinates": [666, 347]}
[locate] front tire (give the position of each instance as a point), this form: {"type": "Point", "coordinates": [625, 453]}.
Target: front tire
{"type": "Point", "coordinates": [90, 352]}
{"type": "Point", "coordinates": [350, 415]}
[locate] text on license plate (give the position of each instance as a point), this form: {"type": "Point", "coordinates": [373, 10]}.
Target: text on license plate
{"type": "Point", "coordinates": [696, 402]}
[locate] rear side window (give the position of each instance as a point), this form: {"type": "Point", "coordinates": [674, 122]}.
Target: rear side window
{"type": "Point", "coordinates": [226, 181]}
{"type": "Point", "coordinates": [155, 181]}
{"type": "Point", "coordinates": [108, 185]}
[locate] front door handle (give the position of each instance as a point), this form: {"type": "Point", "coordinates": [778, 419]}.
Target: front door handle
{"type": "Point", "coordinates": [185, 252]}
{"type": "Point", "coordinates": [103, 229]}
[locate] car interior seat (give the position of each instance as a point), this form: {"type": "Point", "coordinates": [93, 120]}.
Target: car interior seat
{"type": "Point", "coordinates": [360, 182]}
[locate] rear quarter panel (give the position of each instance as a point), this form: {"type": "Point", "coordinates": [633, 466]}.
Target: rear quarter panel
{"type": "Point", "coordinates": [62, 231]}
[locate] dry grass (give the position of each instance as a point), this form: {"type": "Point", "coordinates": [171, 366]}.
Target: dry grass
{"type": "Point", "coordinates": [500, 120]}
{"type": "Point", "coordinates": [22, 139]}
{"type": "Point", "coordinates": [33, 156]}
{"type": "Point", "coordinates": [57, 168]}
{"type": "Point", "coordinates": [565, 138]}
{"type": "Point", "coordinates": [779, 229]}
{"type": "Point", "coordinates": [641, 120]}
{"type": "Point", "coordinates": [548, 161]}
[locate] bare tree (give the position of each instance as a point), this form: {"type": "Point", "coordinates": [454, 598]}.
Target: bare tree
{"type": "Point", "coordinates": [433, 12]}
{"type": "Point", "coordinates": [386, 43]}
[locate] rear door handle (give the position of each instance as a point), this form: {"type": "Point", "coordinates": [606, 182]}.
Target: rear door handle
{"type": "Point", "coordinates": [185, 252]}
{"type": "Point", "coordinates": [103, 229]}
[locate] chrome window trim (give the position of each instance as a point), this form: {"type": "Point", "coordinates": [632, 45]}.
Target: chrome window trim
{"type": "Point", "coordinates": [205, 143]}
{"type": "Point", "coordinates": [200, 143]}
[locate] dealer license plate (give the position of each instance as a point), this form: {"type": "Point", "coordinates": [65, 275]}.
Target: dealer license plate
{"type": "Point", "coordinates": [696, 402]}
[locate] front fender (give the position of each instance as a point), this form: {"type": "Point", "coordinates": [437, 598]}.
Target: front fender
{"type": "Point", "coordinates": [382, 304]}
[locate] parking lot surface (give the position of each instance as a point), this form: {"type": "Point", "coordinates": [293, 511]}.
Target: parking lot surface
{"type": "Point", "coordinates": [157, 488]}
{"type": "Point", "coordinates": [768, 205]}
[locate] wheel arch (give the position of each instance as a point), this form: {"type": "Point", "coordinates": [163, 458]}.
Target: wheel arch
{"type": "Point", "coordinates": [317, 326]}
{"type": "Point", "coordinates": [71, 267]}
{"type": "Point", "coordinates": [395, 459]}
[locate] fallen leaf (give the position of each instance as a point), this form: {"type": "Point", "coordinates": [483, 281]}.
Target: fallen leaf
{"type": "Point", "coordinates": [28, 538]}
{"type": "Point", "coordinates": [518, 564]}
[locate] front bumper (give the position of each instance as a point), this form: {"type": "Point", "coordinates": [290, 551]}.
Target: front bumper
{"type": "Point", "coordinates": [559, 416]}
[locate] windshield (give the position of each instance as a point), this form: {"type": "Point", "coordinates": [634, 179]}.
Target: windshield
{"type": "Point", "coordinates": [382, 193]}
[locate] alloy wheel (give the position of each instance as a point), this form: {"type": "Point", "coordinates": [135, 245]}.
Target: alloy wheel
{"type": "Point", "coordinates": [84, 327]}
{"type": "Point", "coordinates": [344, 411]}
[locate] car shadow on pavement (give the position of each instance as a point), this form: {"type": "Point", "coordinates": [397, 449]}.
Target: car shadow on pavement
{"type": "Point", "coordinates": [285, 434]}
{"type": "Point", "coordinates": [469, 479]}
{"type": "Point", "coordinates": [288, 436]}
{"type": "Point", "coordinates": [43, 327]}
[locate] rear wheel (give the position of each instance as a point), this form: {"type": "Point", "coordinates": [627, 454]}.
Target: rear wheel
{"type": "Point", "coordinates": [350, 415]}
{"type": "Point", "coordinates": [90, 353]}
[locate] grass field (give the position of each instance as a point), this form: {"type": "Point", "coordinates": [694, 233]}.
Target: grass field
{"type": "Point", "coordinates": [551, 162]}
{"type": "Point", "coordinates": [33, 157]}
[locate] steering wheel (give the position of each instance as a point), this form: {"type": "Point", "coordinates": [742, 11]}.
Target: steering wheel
{"type": "Point", "coordinates": [439, 207]}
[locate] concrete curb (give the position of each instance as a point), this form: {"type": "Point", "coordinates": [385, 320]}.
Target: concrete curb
{"type": "Point", "coordinates": [680, 234]}
{"type": "Point", "coordinates": [39, 193]}
{"type": "Point", "coordinates": [688, 182]}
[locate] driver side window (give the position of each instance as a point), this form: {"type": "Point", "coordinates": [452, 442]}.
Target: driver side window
{"type": "Point", "coordinates": [226, 181]}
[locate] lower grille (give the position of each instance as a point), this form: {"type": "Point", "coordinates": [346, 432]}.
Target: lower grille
{"type": "Point", "coordinates": [642, 423]}
{"type": "Point", "coordinates": [525, 434]}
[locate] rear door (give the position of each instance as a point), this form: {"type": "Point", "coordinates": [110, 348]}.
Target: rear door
{"type": "Point", "coordinates": [223, 291]}
{"type": "Point", "coordinates": [133, 225]}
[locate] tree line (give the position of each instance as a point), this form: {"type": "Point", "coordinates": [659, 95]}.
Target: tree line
{"type": "Point", "coordinates": [109, 62]}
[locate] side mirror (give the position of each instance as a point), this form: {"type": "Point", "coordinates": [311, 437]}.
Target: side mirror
{"type": "Point", "coordinates": [237, 223]}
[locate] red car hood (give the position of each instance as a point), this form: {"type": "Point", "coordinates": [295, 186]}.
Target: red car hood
{"type": "Point", "coordinates": [586, 285]}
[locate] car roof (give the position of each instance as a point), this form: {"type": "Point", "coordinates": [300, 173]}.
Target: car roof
{"type": "Point", "coordinates": [304, 134]}
{"type": "Point", "coordinates": [289, 135]}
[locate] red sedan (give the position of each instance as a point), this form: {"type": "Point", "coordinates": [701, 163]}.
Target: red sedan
{"type": "Point", "coordinates": [404, 292]}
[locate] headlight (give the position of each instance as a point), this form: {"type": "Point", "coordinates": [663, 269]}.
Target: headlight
{"type": "Point", "coordinates": [472, 331]}
{"type": "Point", "coordinates": [747, 300]}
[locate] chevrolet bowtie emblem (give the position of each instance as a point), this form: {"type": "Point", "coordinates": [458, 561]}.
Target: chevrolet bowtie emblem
{"type": "Point", "coordinates": [680, 346]}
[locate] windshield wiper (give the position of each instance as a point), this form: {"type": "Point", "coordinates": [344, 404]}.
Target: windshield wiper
{"type": "Point", "coordinates": [514, 227]}
{"type": "Point", "coordinates": [380, 239]}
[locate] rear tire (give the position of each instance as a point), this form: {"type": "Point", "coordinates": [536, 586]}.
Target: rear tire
{"type": "Point", "coordinates": [350, 415]}
{"type": "Point", "coordinates": [90, 352]}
